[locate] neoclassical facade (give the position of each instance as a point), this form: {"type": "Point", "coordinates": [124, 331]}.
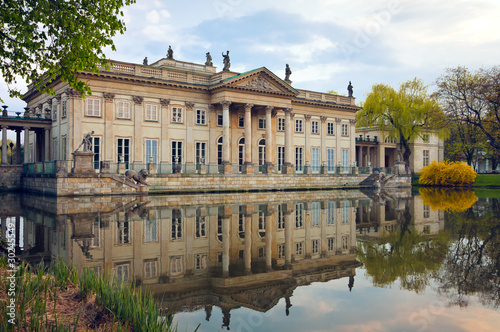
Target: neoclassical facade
{"type": "Point", "coordinates": [175, 112]}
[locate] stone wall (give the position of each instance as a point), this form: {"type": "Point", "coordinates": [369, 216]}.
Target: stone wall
{"type": "Point", "coordinates": [10, 177]}
{"type": "Point", "coordinates": [236, 182]}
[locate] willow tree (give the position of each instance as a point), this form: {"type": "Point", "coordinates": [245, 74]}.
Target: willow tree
{"type": "Point", "coordinates": [47, 39]}
{"type": "Point", "coordinates": [404, 115]}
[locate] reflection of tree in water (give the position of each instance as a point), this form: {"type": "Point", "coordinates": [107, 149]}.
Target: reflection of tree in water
{"type": "Point", "coordinates": [403, 254]}
{"type": "Point", "coordinates": [472, 264]}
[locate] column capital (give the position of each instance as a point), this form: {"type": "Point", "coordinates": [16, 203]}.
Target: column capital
{"type": "Point", "coordinates": [189, 104]}
{"type": "Point", "coordinates": [72, 93]}
{"type": "Point", "coordinates": [338, 120]}
{"type": "Point", "coordinates": [26, 128]}
{"type": "Point", "coordinates": [323, 119]}
{"type": "Point", "coordinates": [274, 112]}
{"type": "Point", "coordinates": [108, 96]}
{"type": "Point", "coordinates": [225, 103]}
{"type": "Point", "coordinates": [353, 121]}
{"type": "Point", "coordinates": [248, 107]}
{"type": "Point", "coordinates": [164, 102]}
{"type": "Point", "coordinates": [287, 110]}
{"type": "Point", "coordinates": [307, 117]}
{"type": "Point", "coordinates": [269, 108]}
{"type": "Point", "coordinates": [138, 100]}
{"type": "Point", "coordinates": [4, 127]}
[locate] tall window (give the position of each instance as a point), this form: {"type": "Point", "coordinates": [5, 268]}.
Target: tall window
{"type": "Point", "coordinates": [54, 149]}
{"type": "Point", "coordinates": [298, 125]}
{"type": "Point", "coordinates": [281, 157]}
{"type": "Point", "coordinates": [64, 108]}
{"type": "Point", "coordinates": [241, 121]}
{"type": "Point", "coordinates": [314, 127]}
{"type": "Point", "coordinates": [262, 222]}
{"type": "Point", "coordinates": [299, 248]}
{"type": "Point", "coordinates": [262, 153]}
{"type": "Point", "coordinates": [176, 152]}
{"type": "Point", "coordinates": [241, 153]}
{"type": "Point", "coordinates": [151, 112]}
{"type": "Point", "coordinates": [122, 271]}
{"type": "Point", "coordinates": [201, 117]}
{"type": "Point", "coordinates": [281, 217]}
{"type": "Point", "coordinates": [425, 138]}
{"type": "Point", "coordinates": [345, 159]}
{"type": "Point", "coordinates": [96, 148]}
{"type": "Point", "coordinates": [93, 107]}
{"type": "Point", "coordinates": [426, 158]}
{"type": "Point", "coordinates": [330, 128]}
{"type": "Point", "coordinates": [151, 228]}
{"type": "Point", "coordinates": [345, 242]}
{"type": "Point", "coordinates": [299, 154]}
{"type": "Point", "coordinates": [151, 151]}
{"type": "Point", "coordinates": [177, 115]}
{"type": "Point", "coordinates": [241, 222]}
{"type": "Point", "coordinates": [281, 124]}
{"type": "Point", "coordinates": [64, 145]}
{"type": "Point", "coordinates": [123, 229]}
{"type": "Point", "coordinates": [331, 213]}
{"type": "Point", "coordinates": [299, 215]}
{"type": "Point", "coordinates": [262, 122]}
{"type": "Point", "coordinates": [176, 266]}
{"type": "Point", "coordinates": [427, 211]}
{"type": "Point", "coordinates": [201, 225]}
{"type": "Point", "coordinates": [176, 224]}
{"type": "Point", "coordinates": [200, 261]}
{"type": "Point", "coordinates": [151, 268]}
{"type": "Point", "coordinates": [220, 119]}
{"type": "Point", "coordinates": [219, 151]}
{"type": "Point", "coordinates": [315, 208]}
{"type": "Point", "coordinates": [95, 242]}
{"type": "Point", "coordinates": [201, 152]}
{"type": "Point", "coordinates": [345, 129]}
{"type": "Point", "coordinates": [330, 155]}
{"type": "Point", "coordinates": [331, 244]}
{"type": "Point", "coordinates": [123, 150]}
{"type": "Point", "coordinates": [315, 160]}
{"type": "Point", "coordinates": [219, 227]}
{"type": "Point", "coordinates": [281, 251]}
{"type": "Point", "coordinates": [123, 110]}
{"type": "Point", "coordinates": [345, 212]}
{"type": "Point", "coordinates": [315, 246]}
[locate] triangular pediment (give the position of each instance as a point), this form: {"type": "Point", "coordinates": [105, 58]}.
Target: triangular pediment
{"type": "Point", "coordinates": [262, 80]}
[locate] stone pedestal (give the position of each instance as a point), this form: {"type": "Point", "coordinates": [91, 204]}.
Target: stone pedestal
{"type": "Point", "coordinates": [84, 162]}
{"type": "Point", "coordinates": [152, 168]}
{"type": "Point", "coordinates": [121, 168]}
{"type": "Point", "coordinates": [288, 169]}
{"type": "Point", "coordinates": [105, 166]}
{"type": "Point", "coordinates": [355, 170]}
{"type": "Point", "coordinates": [269, 168]}
{"type": "Point", "coordinates": [247, 168]}
{"type": "Point", "coordinates": [226, 168]}
{"type": "Point", "coordinates": [399, 167]}
{"type": "Point", "coordinates": [202, 168]}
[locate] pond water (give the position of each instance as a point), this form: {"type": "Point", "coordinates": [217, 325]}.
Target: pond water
{"type": "Point", "coordinates": [346, 260]}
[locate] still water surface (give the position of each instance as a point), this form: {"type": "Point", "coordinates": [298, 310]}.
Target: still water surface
{"type": "Point", "coordinates": [346, 260]}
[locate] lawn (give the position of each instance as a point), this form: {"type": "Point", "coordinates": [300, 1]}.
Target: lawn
{"type": "Point", "coordinates": [487, 180]}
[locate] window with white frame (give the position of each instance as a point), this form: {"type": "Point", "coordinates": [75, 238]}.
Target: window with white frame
{"type": "Point", "coordinates": [299, 158]}
{"type": "Point", "coordinates": [425, 138]}
{"type": "Point", "coordinates": [262, 122]}
{"type": "Point", "coordinates": [96, 148]}
{"type": "Point", "coordinates": [427, 211]}
{"type": "Point", "coordinates": [281, 124]}
{"type": "Point", "coordinates": [281, 156]}
{"type": "Point", "coordinates": [176, 224]}
{"type": "Point", "coordinates": [64, 110]}
{"type": "Point", "coordinates": [299, 215]}
{"type": "Point", "coordinates": [54, 112]}
{"type": "Point", "coordinates": [200, 226]}
{"type": "Point", "coordinates": [314, 127]}
{"type": "Point", "coordinates": [315, 246]}
{"type": "Point", "coordinates": [345, 159]}
{"type": "Point", "coordinates": [331, 213]}
{"type": "Point", "coordinates": [315, 209]}
{"type": "Point", "coordinates": [177, 115]}
{"type": "Point", "coordinates": [345, 242]}
{"type": "Point", "coordinates": [123, 230]}
{"type": "Point", "coordinates": [151, 268]}
{"type": "Point", "coordinates": [151, 228]}
{"type": "Point", "coordinates": [330, 155]}
{"type": "Point", "coordinates": [281, 251]}
{"type": "Point", "coordinates": [200, 152]}
{"type": "Point", "coordinates": [330, 128]}
{"type": "Point", "coordinates": [281, 217]}
{"type": "Point", "coordinates": [426, 155]}
{"type": "Point", "coordinates": [345, 129]}
{"type": "Point", "coordinates": [54, 148]}
{"type": "Point", "coordinates": [93, 107]}
{"type": "Point", "coordinates": [200, 261]}
{"type": "Point", "coordinates": [64, 145]}
{"type": "Point", "coordinates": [176, 152]}
{"type": "Point", "coordinates": [151, 112]}
{"type": "Point", "coordinates": [201, 117]}
{"type": "Point", "coordinates": [123, 110]}
{"type": "Point", "coordinates": [219, 150]}
{"type": "Point", "coordinates": [299, 248]}
{"type": "Point", "coordinates": [95, 242]}
{"type": "Point", "coordinates": [298, 125]}
{"type": "Point", "coordinates": [176, 266]}
{"type": "Point", "coordinates": [315, 160]}
{"type": "Point", "coordinates": [122, 271]}
{"type": "Point", "coordinates": [345, 212]}
{"type": "Point", "coordinates": [220, 119]}
{"type": "Point", "coordinates": [219, 227]}
{"type": "Point", "coordinates": [241, 120]}
{"type": "Point", "coordinates": [151, 151]}
{"type": "Point", "coordinates": [331, 243]}
{"type": "Point", "coordinates": [241, 222]}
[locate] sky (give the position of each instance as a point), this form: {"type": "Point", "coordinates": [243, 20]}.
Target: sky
{"type": "Point", "coordinates": [327, 43]}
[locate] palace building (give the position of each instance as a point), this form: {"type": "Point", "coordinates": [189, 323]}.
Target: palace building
{"type": "Point", "coordinates": [175, 112]}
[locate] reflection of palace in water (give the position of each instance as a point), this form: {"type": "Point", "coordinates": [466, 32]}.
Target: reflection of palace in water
{"type": "Point", "coordinates": [226, 250]}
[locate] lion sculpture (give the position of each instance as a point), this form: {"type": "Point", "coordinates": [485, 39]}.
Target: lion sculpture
{"type": "Point", "coordinates": [139, 178]}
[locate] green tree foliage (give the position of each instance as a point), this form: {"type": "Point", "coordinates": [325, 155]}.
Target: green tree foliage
{"type": "Point", "coordinates": [11, 151]}
{"type": "Point", "coordinates": [405, 114]}
{"type": "Point", "coordinates": [465, 140]}
{"type": "Point", "coordinates": [473, 98]}
{"type": "Point", "coordinates": [45, 39]}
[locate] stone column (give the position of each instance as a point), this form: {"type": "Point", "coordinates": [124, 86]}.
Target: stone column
{"type": "Point", "coordinates": [288, 234]}
{"type": "Point", "coordinates": [269, 237]}
{"type": "Point", "coordinates": [248, 239]}
{"type": "Point", "coordinates": [226, 221]}
{"type": "Point", "coordinates": [323, 140]}
{"type": "Point", "coordinates": [138, 123]}
{"type": "Point", "coordinates": [360, 156]}
{"type": "Point", "coordinates": [46, 140]}
{"type": "Point", "coordinates": [248, 169]}
{"type": "Point", "coordinates": [18, 146]}
{"type": "Point", "coordinates": [189, 121]}
{"type": "Point", "coordinates": [269, 141]}
{"type": "Point", "coordinates": [4, 145]}
{"type": "Point", "coordinates": [307, 139]}
{"type": "Point", "coordinates": [226, 134]}
{"type": "Point", "coordinates": [163, 148]}
{"type": "Point", "coordinates": [288, 166]}
{"type": "Point", "coordinates": [107, 153]}
{"type": "Point", "coordinates": [26, 145]}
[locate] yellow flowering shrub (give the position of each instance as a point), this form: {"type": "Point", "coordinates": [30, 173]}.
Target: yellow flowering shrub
{"type": "Point", "coordinates": [448, 199]}
{"type": "Point", "coordinates": [447, 174]}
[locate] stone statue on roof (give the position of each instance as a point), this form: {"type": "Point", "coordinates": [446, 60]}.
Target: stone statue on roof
{"type": "Point", "coordinates": [227, 62]}
{"type": "Point", "coordinates": [145, 61]}
{"type": "Point", "coordinates": [288, 72]}
{"type": "Point", "coordinates": [349, 89]}
{"type": "Point", "coordinates": [170, 53]}
{"type": "Point", "coordinates": [209, 60]}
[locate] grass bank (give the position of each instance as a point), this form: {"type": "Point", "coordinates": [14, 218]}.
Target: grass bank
{"type": "Point", "coordinates": [56, 299]}
{"type": "Point", "coordinates": [482, 180]}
